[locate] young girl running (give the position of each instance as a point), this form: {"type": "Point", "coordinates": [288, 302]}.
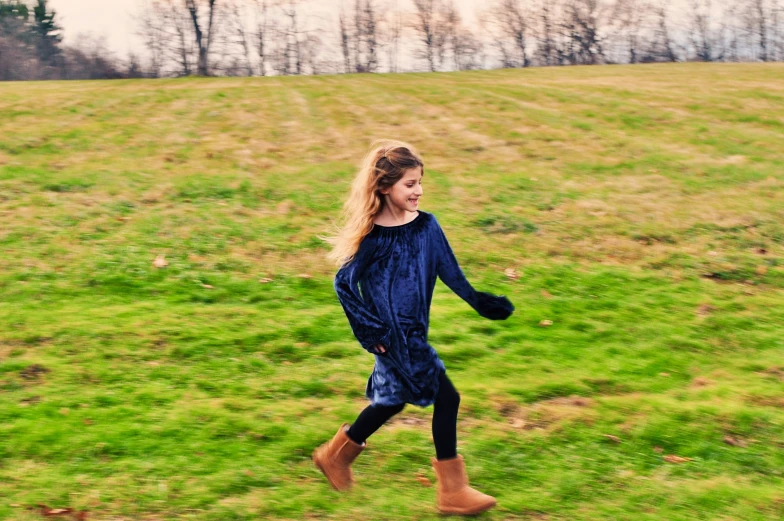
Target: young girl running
{"type": "Point", "coordinates": [389, 254]}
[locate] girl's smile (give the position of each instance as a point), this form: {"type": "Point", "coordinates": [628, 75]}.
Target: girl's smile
{"type": "Point", "coordinates": [402, 197]}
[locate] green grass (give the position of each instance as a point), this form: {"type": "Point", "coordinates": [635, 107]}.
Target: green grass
{"type": "Point", "coordinates": [640, 207]}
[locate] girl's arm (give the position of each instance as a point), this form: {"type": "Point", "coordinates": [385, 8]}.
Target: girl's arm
{"type": "Point", "coordinates": [369, 329]}
{"type": "Point", "coordinates": [449, 271]}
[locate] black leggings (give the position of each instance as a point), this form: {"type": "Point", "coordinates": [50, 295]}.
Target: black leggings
{"type": "Point", "coordinates": [444, 419]}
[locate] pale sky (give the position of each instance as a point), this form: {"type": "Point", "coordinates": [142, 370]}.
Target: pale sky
{"type": "Point", "coordinates": [113, 18]}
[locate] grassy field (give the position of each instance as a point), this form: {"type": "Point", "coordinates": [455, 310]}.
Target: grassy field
{"type": "Point", "coordinates": [640, 209]}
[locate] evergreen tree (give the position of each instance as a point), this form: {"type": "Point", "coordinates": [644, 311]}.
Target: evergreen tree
{"type": "Point", "coordinates": [46, 33]}
{"type": "Point", "coordinates": [12, 15]}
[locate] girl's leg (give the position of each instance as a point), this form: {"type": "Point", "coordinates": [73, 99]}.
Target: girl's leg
{"type": "Point", "coordinates": [370, 420]}
{"type": "Point", "coordinates": [445, 419]}
{"type": "Point", "coordinates": [453, 495]}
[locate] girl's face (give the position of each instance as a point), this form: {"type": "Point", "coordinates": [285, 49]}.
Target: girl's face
{"type": "Point", "coordinates": [406, 192]}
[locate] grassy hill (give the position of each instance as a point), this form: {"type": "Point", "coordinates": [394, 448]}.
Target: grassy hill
{"type": "Point", "coordinates": [640, 209]}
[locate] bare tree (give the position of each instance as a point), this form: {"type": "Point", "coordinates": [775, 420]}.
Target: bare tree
{"type": "Point", "coordinates": [702, 35]}
{"type": "Point", "coordinates": [630, 16]}
{"type": "Point", "coordinates": [298, 46]}
{"type": "Point", "coordinates": [289, 51]}
{"type": "Point", "coordinates": [346, 42]}
{"type": "Point", "coordinates": [468, 50]}
{"type": "Point", "coordinates": [180, 46]}
{"type": "Point", "coordinates": [363, 42]}
{"type": "Point", "coordinates": [426, 25]}
{"type": "Point", "coordinates": [310, 47]}
{"type": "Point", "coordinates": [661, 46]}
{"type": "Point", "coordinates": [241, 35]}
{"type": "Point", "coordinates": [581, 25]}
{"type": "Point", "coordinates": [176, 36]}
{"type": "Point", "coordinates": [153, 32]}
{"type": "Point", "coordinates": [758, 16]}
{"type": "Point", "coordinates": [513, 23]}
{"type": "Point", "coordinates": [371, 20]}
{"type": "Point", "coordinates": [777, 25]}
{"type": "Point", "coordinates": [391, 38]}
{"type": "Point", "coordinates": [90, 59]}
{"type": "Point", "coordinates": [261, 13]}
{"type": "Point", "coordinates": [549, 51]}
{"type": "Point", "coordinates": [204, 34]}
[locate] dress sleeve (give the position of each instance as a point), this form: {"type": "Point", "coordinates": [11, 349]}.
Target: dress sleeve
{"type": "Point", "coordinates": [369, 329]}
{"type": "Point", "coordinates": [450, 273]}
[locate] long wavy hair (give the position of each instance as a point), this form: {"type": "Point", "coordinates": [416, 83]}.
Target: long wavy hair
{"type": "Point", "coordinates": [383, 166]}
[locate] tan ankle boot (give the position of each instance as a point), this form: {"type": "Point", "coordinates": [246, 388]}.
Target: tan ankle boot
{"type": "Point", "coordinates": [334, 458]}
{"type": "Point", "coordinates": [453, 495]}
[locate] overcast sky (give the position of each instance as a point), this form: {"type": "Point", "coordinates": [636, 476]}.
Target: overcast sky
{"type": "Point", "coordinates": [113, 18]}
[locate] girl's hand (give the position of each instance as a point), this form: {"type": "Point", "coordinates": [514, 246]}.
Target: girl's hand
{"type": "Point", "coordinates": [494, 307]}
{"type": "Point", "coordinates": [378, 348]}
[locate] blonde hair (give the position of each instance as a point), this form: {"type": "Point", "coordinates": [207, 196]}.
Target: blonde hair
{"type": "Point", "coordinates": [383, 166]}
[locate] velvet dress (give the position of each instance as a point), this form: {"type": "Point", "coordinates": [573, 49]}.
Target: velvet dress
{"type": "Point", "coordinates": [386, 292]}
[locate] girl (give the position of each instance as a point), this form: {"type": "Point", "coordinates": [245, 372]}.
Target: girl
{"type": "Point", "coordinates": [389, 254]}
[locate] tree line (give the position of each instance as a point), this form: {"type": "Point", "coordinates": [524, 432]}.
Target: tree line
{"type": "Point", "coordinates": [292, 37]}
{"type": "Point", "coordinates": [31, 47]}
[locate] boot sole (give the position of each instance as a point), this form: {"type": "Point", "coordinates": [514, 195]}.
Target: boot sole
{"type": "Point", "coordinates": [466, 511]}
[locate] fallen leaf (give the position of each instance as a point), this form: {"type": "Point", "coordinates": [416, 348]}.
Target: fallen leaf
{"type": "Point", "coordinates": [48, 512]}
{"type": "Point", "coordinates": [32, 372]}
{"type": "Point", "coordinates": [735, 442]}
{"type": "Point", "coordinates": [88, 421]}
{"type": "Point", "coordinates": [248, 472]}
{"type": "Point", "coordinates": [512, 273]}
{"type": "Point", "coordinates": [208, 286]}
{"type": "Point", "coordinates": [672, 458]}
{"type": "Point", "coordinates": [423, 480]}
{"type": "Point", "coordinates": [664, 374]}
{"type": "Point", "coordinates": [546, 323]}
{"type": "Point", "coordinates": [614, 439]}
{"type": "Point", "coordinates": [517, 423]}
{"type": "Point", "coordinates": [65, 411]}
{"type": "Point", "coordinates": [579, 401]}
{"type": "Point", "coordinates": [160, 261]}
{"type": "Point", "coordinates": [546, 294]}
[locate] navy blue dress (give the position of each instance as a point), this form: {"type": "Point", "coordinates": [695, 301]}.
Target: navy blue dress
{"type": "Point", "coordinates": [386, 292]}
